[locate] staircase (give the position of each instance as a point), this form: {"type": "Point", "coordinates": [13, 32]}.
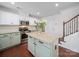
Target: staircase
{"type": "Point", "coordinates": [70, 27]}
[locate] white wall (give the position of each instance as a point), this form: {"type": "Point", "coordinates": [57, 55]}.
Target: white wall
{"type": "Point", "coordinates": [55, 23]}
{"type": "Point", "coordinates": [72, 42]}
{"type": "Point", "coordinates": [55, 26]}
{"type": "Point", "coordinates": [6, 18]}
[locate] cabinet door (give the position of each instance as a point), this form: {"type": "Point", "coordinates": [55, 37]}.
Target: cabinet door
{"type": "Point", "coordinates": [32, 21]}
{"type": "Point", "coordinates": [14, 20]}
{"type": "Point", "coordinates": [31, 46]}
{"type": "Point", "coordinates": [4, 42]}
{"type": "Point", "coordinates": [41, 50]}
{"type": "Point", "coordinates": [15, 39]}
{"type": "Point", "coordinates": [7, 18]}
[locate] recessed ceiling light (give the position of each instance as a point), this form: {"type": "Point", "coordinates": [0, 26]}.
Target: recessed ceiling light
{"type": "Point", "coordinates": [56, 4]}
{"type": "Point", "coordinates": [12, 2]}
{"type": "Point", "coordinates": [38, 13]}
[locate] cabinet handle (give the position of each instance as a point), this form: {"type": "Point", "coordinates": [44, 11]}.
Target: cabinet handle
{"type": "Point", "coordinates": [34, 43]}
{"type": "Point", "coordinates": [41, 42]}
{"type": "Point", "coordinates": [2, 36]}
{"type": "Point", "coordinates": [30, 37]}
{"type": "Point", "coordinates": [55, 47]}
{"type": "Point", "coordinates": [5, 35]}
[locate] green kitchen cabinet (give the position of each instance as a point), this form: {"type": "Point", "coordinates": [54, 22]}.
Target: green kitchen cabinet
{"type": "Point", "coordinates": [31, 45]}
{"type": "Point", "coordinates": [39, 48]}
{"type": "Point", "coordinates": [4, 41]}
{"type": "Point", "coordinates": [9, 39]}
{"type": "Point", "coordinates": [15, 39]}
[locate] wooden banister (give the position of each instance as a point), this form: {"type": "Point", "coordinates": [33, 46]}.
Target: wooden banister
{"type": "Point", "coordinates": [70, 27]}
{"type": "Point", "coordinates": [72, 18]}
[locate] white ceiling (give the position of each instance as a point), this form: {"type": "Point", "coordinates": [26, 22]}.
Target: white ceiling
{"type": "Point", "coordinates": [44, 8]}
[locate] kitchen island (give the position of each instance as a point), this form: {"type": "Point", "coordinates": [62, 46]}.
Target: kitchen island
{"type": "Point", "coordinates": [42, 44]}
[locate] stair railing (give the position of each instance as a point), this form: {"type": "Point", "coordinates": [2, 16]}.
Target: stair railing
{"type": "Point", "coordinates": [70, 27]}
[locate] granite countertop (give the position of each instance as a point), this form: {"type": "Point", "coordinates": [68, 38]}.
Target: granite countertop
{"type": "Point", "coordinates": [9, 33]}
{"type": "Point", "coordinates": [43, 36]}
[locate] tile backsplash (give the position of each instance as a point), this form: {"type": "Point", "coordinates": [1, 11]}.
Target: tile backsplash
{"type": "Point", "coordinates": [8, 28]}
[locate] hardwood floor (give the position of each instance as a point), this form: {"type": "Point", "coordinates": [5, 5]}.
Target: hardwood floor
{"type": "Point", "coordinates": [17, 51]}
{"type": "Point", "coordinates": [63, 52]}
{"type": "Point", "coordinates": [22, 51]}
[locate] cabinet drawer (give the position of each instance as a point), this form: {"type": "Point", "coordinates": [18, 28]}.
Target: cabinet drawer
{"type": "Point", "coordinates": [2, 36]}
{"type": "Point", "coordinates": [47, 45]}
{"type": "Point", "coordinates": [43, 43]}
{"type": "Point", "coordinates": [45, 52]}
{"type": "Point", "coordinates": [17, 33]}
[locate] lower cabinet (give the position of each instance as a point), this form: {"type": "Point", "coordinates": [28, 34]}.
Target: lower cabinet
{"type": "Point", "coordinates": [8, 40]}
{"type": "Point", "coordinates": [4, 41]}
{"type": "Point", "coordinates": [31, 45]}
{"type": "Point", "coordinates": [38, 48]}
{"type": "Point", "coordinates": [42, 51]}
{"type": "Point", "coordinates": [15, 37]}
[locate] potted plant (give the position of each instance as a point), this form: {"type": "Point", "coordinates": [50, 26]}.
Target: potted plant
{"type": "Point", "coordinates": [41, 25]}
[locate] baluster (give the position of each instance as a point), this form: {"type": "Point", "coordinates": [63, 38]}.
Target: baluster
{"type": "Point", "coordinates": [74, 25]}
{"type": "Point", "coordinates": [70, 27]}
{"type": "Point", "coordinates": [77, 24]}
{"type": "Point", "coordinates": [66, 29]}
{"type": "Point", "coordinates": [63, 29]}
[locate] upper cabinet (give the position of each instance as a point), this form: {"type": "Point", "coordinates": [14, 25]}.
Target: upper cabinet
{"type": "Point", "coordinates": [7, 18]}
{"type": "Point", "coordinates": [24, 23]}
{"type": "Point", "coordinates": [32, 21]}
{"type": "Point", "coordinates": [28, 20]}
